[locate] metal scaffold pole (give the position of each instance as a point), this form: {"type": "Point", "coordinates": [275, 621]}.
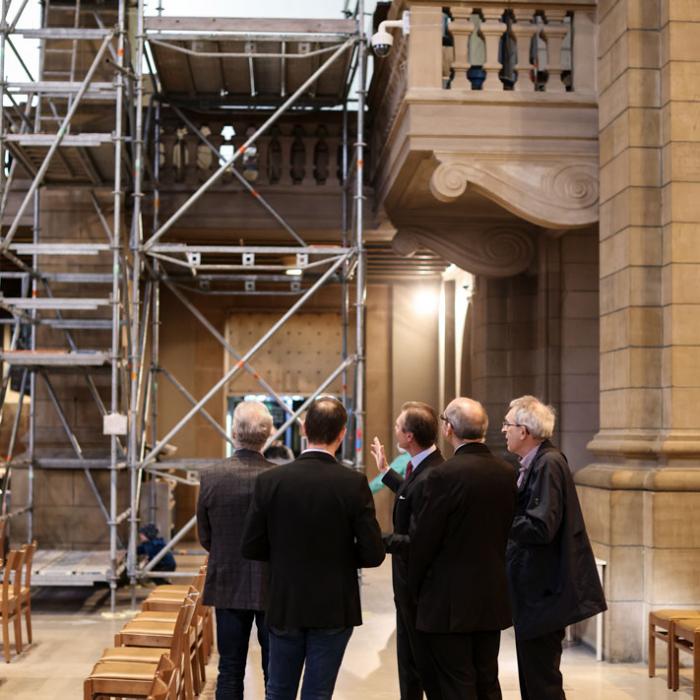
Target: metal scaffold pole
{"type": "Point", "coordinates": [155, 302]}
{"type": "Point", "coordinates": [359, 243]}
{"type": "Point", "coordinates": [3, 41]}
{"type": "Point", "coordinates": [134, 452]}
{"type": "Point", "coordinates": [116, 301]}
{"type": "Point", "coordinates": [344, 288]}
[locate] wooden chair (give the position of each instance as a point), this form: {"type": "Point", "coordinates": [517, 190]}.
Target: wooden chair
{"type": "Point", "coordinates": [660, 622]}
{"type": "Point", "coordinates": [145, 632]}
{"type": "Point", "coordinates": [9, 602]}
{"type": "Point", "coordinates": [124, 679]}
{"type": "Point", "coordinates": [167, 599]}
{"type": "Point", "coordinates": [178, 588]}
{"type": "Point", "coordinates": [685, 636]}
{"type": "Point", "coordinates": [177, 652]}
{"type": "Point", "coordinates": [25, 600]}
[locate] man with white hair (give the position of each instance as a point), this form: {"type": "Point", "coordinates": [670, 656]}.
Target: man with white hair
{"type": "Point", "coordinates": [551, 569]}
{"type": "Point", "coordinates": [236, 587]}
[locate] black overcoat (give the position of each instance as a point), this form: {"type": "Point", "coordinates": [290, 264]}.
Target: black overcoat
{"type": "Point", "coordinates": [314, 521]}
{"type": "Point", "coordinates": [225, 493]}
{"type": "Point", "coordinates": [551, 568]}
{"type": "Point", "coordinates": [456, 564]}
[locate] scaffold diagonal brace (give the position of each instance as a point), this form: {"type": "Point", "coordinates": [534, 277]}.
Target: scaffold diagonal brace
{"type": "Point", "coordinates": [234, 370]}
{"type": "Point", "coordinates": [239, 152]}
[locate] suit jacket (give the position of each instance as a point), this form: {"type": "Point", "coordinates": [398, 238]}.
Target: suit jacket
{"type": "Point", "coordinates": [225, 492]}
{"type": "Point", "coordinates": [314, 521]}
{"type": "Point", "coordinates": [551, 568]}
{"type": "Point", "coordinates": [456, 567]}
{"type": "Point", "coordinates": [409, 496]}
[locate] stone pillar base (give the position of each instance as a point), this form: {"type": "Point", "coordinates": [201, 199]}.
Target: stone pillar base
{"type": "Point", "coordinates": [643, 521]}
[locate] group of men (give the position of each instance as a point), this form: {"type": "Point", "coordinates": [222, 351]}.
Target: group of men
{"type": "Point", "coordinates": [476, 547]}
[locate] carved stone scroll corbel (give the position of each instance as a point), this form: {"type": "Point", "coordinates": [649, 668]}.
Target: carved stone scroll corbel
{"type": "Point", "coordinates": [495, 251]}
{"type": "Point", "coordinates": [545, 191]}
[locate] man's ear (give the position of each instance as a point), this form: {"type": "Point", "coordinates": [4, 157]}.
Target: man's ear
{"type": "Point", "coordinates": [302, 428]}
{"type": "Point", "coordinates": [343, 432]}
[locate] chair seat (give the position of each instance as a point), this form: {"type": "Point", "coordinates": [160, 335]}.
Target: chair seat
{"type": "Point", "coordinates": [124, 670]}
{"type": "Point", "coordinates": [156, 616]}
{"type": "Point", "coordinates": [176, 587]}
{"type": "Point", "coordinates": [686, 626]}
{"type": "Point", "coordinates": [134, 654]}
{"type": "Point", "coordinates": [661, 618]}
{"type": "Point", "coordinates": [167, 595]}
{"type": "Point", "coordinates": [149, 626]}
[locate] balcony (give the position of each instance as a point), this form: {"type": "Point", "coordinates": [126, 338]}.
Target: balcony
{"type": "Point", "coordinates": [487, 118]}
{"type": "Point", "coordinates": [296, 167]}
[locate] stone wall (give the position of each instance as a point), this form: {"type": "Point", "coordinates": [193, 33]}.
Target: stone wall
{"type": "Point", "coordinates": [641, 495]}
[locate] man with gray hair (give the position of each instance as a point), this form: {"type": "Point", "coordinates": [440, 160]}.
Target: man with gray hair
{"type": "Point", "coordinates": [551, 569]}
{"type": "Point", "coordinates": [236, 587]}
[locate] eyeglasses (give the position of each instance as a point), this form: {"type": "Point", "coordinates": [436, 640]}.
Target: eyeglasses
{"type": "Point", "coordinates": [506, 424]}
{"type": "Point", "coordinates": [442, 417]}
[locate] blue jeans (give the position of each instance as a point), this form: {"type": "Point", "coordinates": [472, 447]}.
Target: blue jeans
{"type": "Point", "coordinates": [232, 635]}
{"type": "Point", "coordinates": [321, 650]}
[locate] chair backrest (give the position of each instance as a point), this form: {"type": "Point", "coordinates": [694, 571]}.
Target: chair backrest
{"type": "Point", "coordinates": [17, 571]}
{"type": "Point", "coordinates": [3, 522]}
{"type": "Point", "coordinates": [182, 624]}
{"type": "Point", "coordinates": [164, 680]}
{"type": "Point", "coordinates": [10, 566]}
{"type": "Point", "coordinates": [29, 550]}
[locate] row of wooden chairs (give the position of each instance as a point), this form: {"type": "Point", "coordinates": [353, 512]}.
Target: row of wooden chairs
{"type": "Point", "coordinates": [173, 623]}
{"type": "Point", "coordinates": [680, 631]}
{"type": "Point", "coordinates": [15, 597]}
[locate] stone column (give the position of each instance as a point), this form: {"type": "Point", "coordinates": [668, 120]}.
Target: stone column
{"type": "Point", "coordinates": [642, 495]}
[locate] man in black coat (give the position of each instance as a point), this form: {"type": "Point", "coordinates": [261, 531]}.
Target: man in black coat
{"type": "Point", "coordinates": [456, 567]}
{"type": "Point", "coordinates": [314, 521]}
{"type": "Point", "coordinates": [235, 586]}
{"type": "Point", "coordinates": [551, 568]}
{"type": "Point", "coordinates": [416, 431]}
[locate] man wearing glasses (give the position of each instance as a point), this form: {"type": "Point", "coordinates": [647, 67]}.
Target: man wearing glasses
{"type": "Point", "coordinates": [456, 565]}
{"type": "Point", "coordinates": [551, 569]}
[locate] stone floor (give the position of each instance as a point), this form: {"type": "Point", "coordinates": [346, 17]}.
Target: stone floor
{"type": "Point", "coordinates": [71, 626]}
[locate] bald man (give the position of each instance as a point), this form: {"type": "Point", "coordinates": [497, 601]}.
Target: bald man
{"type": "Point", "coordinates": [456, 564]}
{"type": "Point", "coordinates": [236, 587]}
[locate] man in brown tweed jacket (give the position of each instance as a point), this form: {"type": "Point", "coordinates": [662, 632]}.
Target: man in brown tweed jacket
{"type": "Point", "coordinates": [236, 587]}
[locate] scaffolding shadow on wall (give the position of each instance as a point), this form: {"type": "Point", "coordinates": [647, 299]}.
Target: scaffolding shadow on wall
{"type": "Point", "coordinates": [300, 55]}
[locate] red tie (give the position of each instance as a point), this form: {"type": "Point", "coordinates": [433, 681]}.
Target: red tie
{"type": "Point", "coordinates": [409, 469]}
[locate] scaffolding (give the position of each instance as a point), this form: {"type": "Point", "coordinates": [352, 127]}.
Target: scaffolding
{"type": "Point", "coordinates": [267, 67]}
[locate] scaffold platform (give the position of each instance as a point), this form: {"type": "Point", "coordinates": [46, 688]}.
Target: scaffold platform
{"type": "Point", "coordinates": [63, 567]}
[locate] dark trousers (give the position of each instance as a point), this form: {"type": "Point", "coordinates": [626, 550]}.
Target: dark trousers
{"type": "Point", "coordinates": [232, 636]}
{"type": "Point", "coordinates": [320, 651]}
{"type": "Point", "coordinates": [410, 683]}
{"type": "Point", "coordinates": [538, 667]}
{"type": "Point", "coordinates": [416, 670]}
{"type": "Point", "coordinates": [466, 666]}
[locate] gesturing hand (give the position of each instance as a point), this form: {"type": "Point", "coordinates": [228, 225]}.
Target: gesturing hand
{"type": "Point", "coordinates": [377, 450]}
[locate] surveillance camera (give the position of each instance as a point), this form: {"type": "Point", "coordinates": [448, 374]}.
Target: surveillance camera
{"type": "Point", "coordinates": [381, 43]}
